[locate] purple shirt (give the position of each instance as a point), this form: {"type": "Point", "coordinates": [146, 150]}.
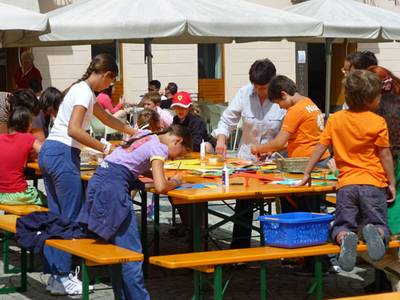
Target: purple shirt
{"type": "Point", "coordinates": [138, 157]}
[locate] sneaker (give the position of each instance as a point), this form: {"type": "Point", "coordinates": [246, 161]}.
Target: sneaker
{"type": "Point", "coordinates": [68, 285]}
{"type": "Point", "coordinates": [63, 285]}
{"type": "Point", "coordinates": [376, 246]}
{"type": "Point", "coordinates": [348, 252]}
{"type": "Point", "coordinates": [50, 283]}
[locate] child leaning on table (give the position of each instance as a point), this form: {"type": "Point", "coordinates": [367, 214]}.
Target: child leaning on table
{"type": "Point", "coordinates": [108, 210]}
{"type": "Point", "coordinates": [15, 148]}
{"type": "Point", "coordinates": [366, 181]}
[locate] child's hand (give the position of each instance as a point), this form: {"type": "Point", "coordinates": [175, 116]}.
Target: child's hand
{"type": "Point", "coordinates": [332, 166]}
{"type": "Point", "coordinates": [306, 179]}
{"type": "Point", "coordinates": [176, 179]}
{"type": "Point", "coordinates": [220, 148]}
{"type": "Point", "coordinates": [254, 150]}
{"type": "Point", "coordinates": [391, 194]}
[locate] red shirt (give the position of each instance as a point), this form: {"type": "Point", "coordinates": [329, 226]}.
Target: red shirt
{"type": "Point", "coordinates": [22, 80]}
{"type": "Point", "coordinates": [15, 148]}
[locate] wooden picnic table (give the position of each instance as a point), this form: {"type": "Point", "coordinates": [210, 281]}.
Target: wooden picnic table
{"type": "Point", "coordinates": [384, 296]}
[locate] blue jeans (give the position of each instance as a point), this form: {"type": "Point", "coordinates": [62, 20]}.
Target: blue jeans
{"type": "Point", "coordinates": [60, 166]}
{"type": "Point", "coordinates": [128, 237]}
{"type": "Point", "coordinates": [109, 186]}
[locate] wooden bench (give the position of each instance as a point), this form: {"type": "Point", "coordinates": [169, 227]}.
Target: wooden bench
{"type": "Point", "coordinates": [212, 261]}
{"type": "Point", "coordinates": [8, 225]}
{"type": "Point", "coordinates": [385, 296]}
{"type": "Point", "coordinates": [22, 210]}
{"type": "Point", "coordinates": [19, 210]}
{"type": "Point", "coordinates": [92, 252]}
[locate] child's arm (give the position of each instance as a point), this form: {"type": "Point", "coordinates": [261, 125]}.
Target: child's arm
{"type": "Point", "coordinates": [278, 143]}
{"type": "Point", "coordinates": [319, 150]}
{"type": "Point", "coordinates": [161, 184]}
{"type": "Point", "coordinates": [37, 145]}
{"type": "Point", "coordinates": [387, 162]}
{"type": "Point", "coordinates": [111, 121]}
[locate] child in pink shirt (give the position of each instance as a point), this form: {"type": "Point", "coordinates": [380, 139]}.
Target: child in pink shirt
{"type": "Point", "coordinates": [152, 101]}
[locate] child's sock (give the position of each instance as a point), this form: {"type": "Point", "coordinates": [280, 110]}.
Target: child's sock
{"type": "Point", "coordinates": [348, 250]}
{"type": "Point", "coordinates": [374, 240]}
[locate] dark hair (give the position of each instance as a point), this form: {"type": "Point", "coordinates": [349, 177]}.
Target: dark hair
{"type": "Point", "coordinates": [262, 71]}
{"type": "Point", "coordinates": [155, 83]}
{"type": "Point", "coordinates": [361, 87]}
{"type": "Point", "coordinates": [108, 91]}
{"type": "Point", "coordinates": [177, 130]}
{"type": "Point", "coordinates": [281, 84]}
{"type": "Point", "coordinates": [51, 98]}
{"type": "Point", "coordinates": [154, 97]}
{"type": "Point", "coordinates": [25, 98]}
{"type": "Point", "coordinates": [172, 87]}
{"type": "Point", "coordinates": [100, 64]}
{"type": "Point", "coordinates": [389, 109]}
{"type": "Point", "coordinates": [148, 117]}
{"type": "Point", "coordinates": [362, 60]}
{"type": "Point", "coordinates": [20, 119]}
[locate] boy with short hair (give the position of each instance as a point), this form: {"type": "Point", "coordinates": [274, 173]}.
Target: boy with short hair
{"type": "Point", "coordinates": [362, 154]}
{"type": "Point", "coordinates": [152, 101]}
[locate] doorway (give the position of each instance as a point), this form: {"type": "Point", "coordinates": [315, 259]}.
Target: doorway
{"type": "Point", "coordinates": [210, 58]}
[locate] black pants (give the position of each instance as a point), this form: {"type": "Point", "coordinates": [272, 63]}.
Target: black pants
{"type": "Point", "coordinates": [242, 234]}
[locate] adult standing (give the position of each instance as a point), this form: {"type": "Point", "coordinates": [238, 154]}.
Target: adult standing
{"type": "Point", "coordinates": [27, 74]}
{"type": "Point", "coordinates": [262, 121]}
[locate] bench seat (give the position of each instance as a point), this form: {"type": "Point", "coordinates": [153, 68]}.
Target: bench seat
{"type": "Point", "coordinates": [22, 210]}
{"type": "Point", "coordinates": [212, 261]}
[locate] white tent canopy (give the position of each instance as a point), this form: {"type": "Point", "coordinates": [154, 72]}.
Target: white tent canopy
{"type": "Point", "coordinates": [171, 21]}
{"type": "Point", "coordinates": [16, 22]}
{"type": "Point", "coordinates": [350, 20]}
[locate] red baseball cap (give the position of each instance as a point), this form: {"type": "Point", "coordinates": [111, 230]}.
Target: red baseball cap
{"type": "Point", "coordinates": [181, 99]}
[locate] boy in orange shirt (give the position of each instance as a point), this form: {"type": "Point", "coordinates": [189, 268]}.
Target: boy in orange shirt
{"type": "Point", "coordinates": [303, 123]}
{"type": "Point", "coordinates": [300, 132]}
{"type": "Point", "coordinates": [366, 180]}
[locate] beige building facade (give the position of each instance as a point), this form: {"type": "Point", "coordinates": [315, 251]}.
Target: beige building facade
{"type": "Point", "coordinates": [60, 66]}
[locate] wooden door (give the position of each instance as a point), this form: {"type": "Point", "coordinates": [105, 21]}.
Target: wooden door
{"type": "Point", "coordinates": [211, 73]}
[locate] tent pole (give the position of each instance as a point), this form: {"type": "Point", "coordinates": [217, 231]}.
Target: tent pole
{"type": "Point", "coordinates": [148, 56]}
{"type": "Point", "coordinates": [328, 61]}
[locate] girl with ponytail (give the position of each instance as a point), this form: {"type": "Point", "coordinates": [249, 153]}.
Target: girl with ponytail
{"type": "Point", "coordinates": [108, 210]}
{"type": "Point", "coordinates": [59, 159]}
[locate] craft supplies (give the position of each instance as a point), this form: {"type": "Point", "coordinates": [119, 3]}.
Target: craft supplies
{"type": "Point", "coordinates": [225, 176]}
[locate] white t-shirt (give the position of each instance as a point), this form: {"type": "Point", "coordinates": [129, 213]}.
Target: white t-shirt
{"type": "Point", "coordinates": [79, 94]}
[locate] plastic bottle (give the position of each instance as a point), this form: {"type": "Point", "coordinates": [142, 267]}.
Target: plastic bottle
{"type": "Point", "coordinates": [225, 176]}
{"type": "Point", "coordinates": [203, 151]}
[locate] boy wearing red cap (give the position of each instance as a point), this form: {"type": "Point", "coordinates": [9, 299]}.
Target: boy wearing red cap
{"type": "Point", "coordinates": [182, 104]}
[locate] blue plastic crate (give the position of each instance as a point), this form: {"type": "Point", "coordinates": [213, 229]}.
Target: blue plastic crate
{"type": "Point", "coordinates": [294, 230]}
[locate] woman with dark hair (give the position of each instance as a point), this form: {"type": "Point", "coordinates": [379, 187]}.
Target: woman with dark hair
{"type": "Point", "coordinates": [359, 61]}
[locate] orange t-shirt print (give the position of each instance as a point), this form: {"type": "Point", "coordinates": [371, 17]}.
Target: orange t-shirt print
{"type": "Point", "coordinates": [356, 137]}
{"type": "Point", "coordinates": [305, 123]}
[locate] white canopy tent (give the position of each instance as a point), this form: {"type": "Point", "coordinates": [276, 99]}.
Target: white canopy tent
{"type": "Point", "coordinates": [350, 20]}
{"type": "Point", "coordinates": [170, 21]}
{"type": "Point", "coordinates": [16, 22]}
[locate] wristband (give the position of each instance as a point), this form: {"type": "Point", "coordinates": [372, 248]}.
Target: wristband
{"type": "Point", "coordinates": [106, 146]}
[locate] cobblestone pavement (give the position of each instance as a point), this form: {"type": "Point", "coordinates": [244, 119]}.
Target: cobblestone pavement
{"type": "Point", "coordinates": [177, 284]}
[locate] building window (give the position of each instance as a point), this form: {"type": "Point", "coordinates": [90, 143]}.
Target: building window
{"type": "Point", "coordinates": [209, 61]}
{"type": "Point", "coordinates": [111, 48]}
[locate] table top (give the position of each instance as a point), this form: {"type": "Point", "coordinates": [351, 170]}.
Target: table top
{"type": "Point", "coordinates": [239, 188]}
{"type": "Point", "coordinates": [385, 296]}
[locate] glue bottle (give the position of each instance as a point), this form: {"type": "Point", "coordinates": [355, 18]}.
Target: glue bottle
{"type": "Point", "coordinates": [202, 151]}
{"type": "Point", "coordinates": [225, 176]}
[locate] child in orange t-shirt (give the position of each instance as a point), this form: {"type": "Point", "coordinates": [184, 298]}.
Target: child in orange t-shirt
{"type": "Point", "coordinates": [366, 179]}
{"type": "Point", "coordinates": [300, 132]}
{"type": "Point", "coordinates": [303, 123]}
